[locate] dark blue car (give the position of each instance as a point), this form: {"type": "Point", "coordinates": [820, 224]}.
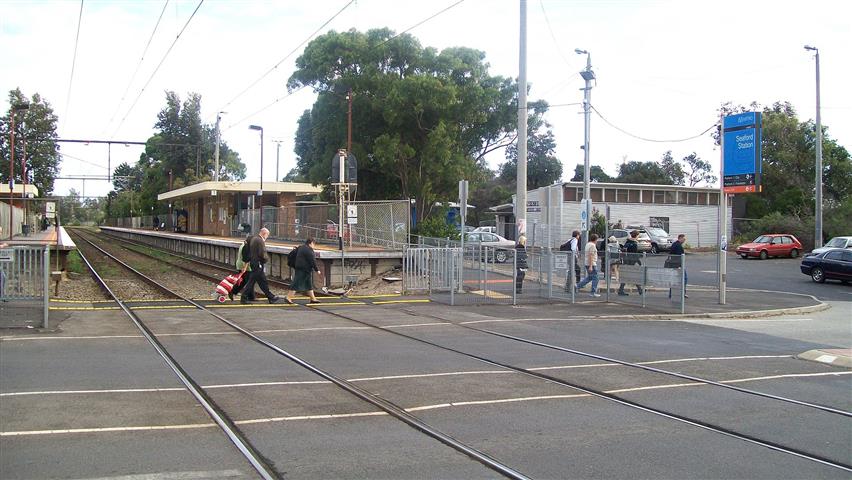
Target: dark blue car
{"type": "Point", "coordinates": [834, 264]}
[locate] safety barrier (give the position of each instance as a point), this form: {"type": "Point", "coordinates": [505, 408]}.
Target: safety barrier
{"type": "Point", "coordinates": [24, 285]}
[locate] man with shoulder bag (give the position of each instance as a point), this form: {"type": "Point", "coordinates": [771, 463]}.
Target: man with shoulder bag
{"type": "Point", "coordinates": [631, 257]}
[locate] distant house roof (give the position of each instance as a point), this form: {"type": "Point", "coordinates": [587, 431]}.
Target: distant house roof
{"type": "Point", "coordinates": [646, 186]}
{"type": "Point", "coordinates": [206, 189]}
{"type": "Point", "coordinates": [19, 189]}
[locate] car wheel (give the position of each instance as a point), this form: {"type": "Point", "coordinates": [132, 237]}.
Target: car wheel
{"type": "Point", "coordinates": [500, 256]}
{"type": "Point", "coordinates": [744, 255]}
{"type": "Point", "coordinates": [764, 254]}
{"type": "Point", "coordinates": [653, 248]}
{"type": "Point", "coordinates": [794, 253]}
{"type": "Point", "coordinates": [817, 275]}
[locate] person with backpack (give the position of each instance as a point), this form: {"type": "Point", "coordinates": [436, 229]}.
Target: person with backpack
{"type": "Point", "coordinates": [243, 266]}
{"type": "Point", "coordinates": [521, 262]}
{"type": "Point", "coordinates": [573, 246]}
{"type": "Point", "coordinates": [631, 257]}
{"type": "Point", "coordinates": [257, 258]}
{"type": "Point", "coordinates": [305, 264]}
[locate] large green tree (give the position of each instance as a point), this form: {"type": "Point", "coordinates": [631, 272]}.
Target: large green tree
{"type": "Point", "coordinates": [596, 174]}
{"type": "Point", "coordinates": [181, 149]}
{"type": "Point", "coordinates": [422, 119]}
{"type": "Point", "coordinates": [644, 172]}
{"type": "Point", "coordinates": [35, 126]}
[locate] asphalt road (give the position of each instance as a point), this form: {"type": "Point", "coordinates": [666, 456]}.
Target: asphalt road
{"type": "Point", "coordinates": [776, 274]}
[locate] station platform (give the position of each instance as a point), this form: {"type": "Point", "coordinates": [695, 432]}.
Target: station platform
{"type": "Point", "coordinates": [56, 240]}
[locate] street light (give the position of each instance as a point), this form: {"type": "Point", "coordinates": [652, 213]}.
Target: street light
{"type": "Point", "coordinates": [257, 127]}
{"type": "Point", "coordinates": [15, 109]}
{"type": "Point", "coordinates": [588, 75]}
{"type": "Point", "coordinates": [818, 180]}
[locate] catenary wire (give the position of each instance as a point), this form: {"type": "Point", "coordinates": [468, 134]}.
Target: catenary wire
{"type": "Point", "coordinates": [274, 67]}
{"type": "Point", "coordinates": [419, 23]}
{"type": "Point", "coordinates": [138, 65]}
{"type": "Point", "coordinates": [73, 65]}
{"type": "Point", "coordinates": [711, 127]}
{"type": "Point", "coordinates": [157, 69]}
{"type": "Point", "coordinates": [289, 94]}
{"type": "Point", "coordinates": [553, 36]}
{"type": "Point", "coordinates": [81, 160]}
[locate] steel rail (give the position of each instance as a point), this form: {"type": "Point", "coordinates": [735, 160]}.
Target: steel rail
{"type": "Point", "coordinates": [214, 411]}
{"type": "Point", "coordinates": [614, 398]}
{"type": "Point", "coordinates": [390, 408]}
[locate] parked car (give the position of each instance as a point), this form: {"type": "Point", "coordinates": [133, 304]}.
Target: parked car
{"type": "Point", "coordinates": [486, 229]}
{"type": "Point", "coordinates": [501, 245]}
{"type": "Point", "coordinates": [772, 245]}
{"type": "Point", "coordinates": [836, 242]}
{"type": "Point", "coordinates": [660, 240]}
{"type": "Point", "coordinates": [622, 234]}
{"type": "Point", "coordinates": [835, 263]}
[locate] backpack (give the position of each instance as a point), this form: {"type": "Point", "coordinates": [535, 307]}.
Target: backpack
{"type": "Point", "coordinates": [291, 258]}
{"type": "Point", "coordinates": [565, 247]}
{"type": "Point", "coordinates": [246, 256]}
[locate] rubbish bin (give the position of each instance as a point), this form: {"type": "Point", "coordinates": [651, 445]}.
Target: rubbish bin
{"type": "Point", "coordinates": [25, 229]}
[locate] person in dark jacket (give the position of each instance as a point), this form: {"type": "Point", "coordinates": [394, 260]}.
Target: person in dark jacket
{"type": "Point", "coordinates": [521, 263]}
{"type": "Point", "coordinates": [675, 260]}
{"type": "Point", "coordinates": [631, 257]}
{"type": "Point", "coordinates": [257, 258]}
{"type": "Point", "coordinates": [306, 265]}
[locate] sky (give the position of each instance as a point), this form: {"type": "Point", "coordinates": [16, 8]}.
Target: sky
{"type": "Point", "coordinates": [663, 67]}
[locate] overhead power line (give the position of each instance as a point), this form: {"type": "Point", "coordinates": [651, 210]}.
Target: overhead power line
{"type": "Point", "coordinates": [81, 160]}
{"type": "Point", "coordinates": [138, 65]}
{"type": "Point", "coordinates": [420, 23]}
{"type": "Point", "coordinates": [158, 68]}
{"type": "Point", "coordinates": [73, 65]}
{"type": "Point", "coordinates": [274, 67]}
{"type": "Point", "coordinates": [711, 127]}
{"type": "Point", "coordinates": [289, 94]}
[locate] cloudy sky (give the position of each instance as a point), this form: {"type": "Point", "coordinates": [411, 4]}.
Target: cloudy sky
{"type": "Point", "coordinates": [663, 67]}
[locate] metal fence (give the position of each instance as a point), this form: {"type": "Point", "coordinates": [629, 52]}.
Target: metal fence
{"type": "Point", "coordinates": [478, 275]}
{"type": "Point", "coordinates": [24, 287]}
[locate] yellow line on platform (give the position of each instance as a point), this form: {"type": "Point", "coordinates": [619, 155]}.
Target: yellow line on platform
{"type": "Point", "coordinates": [418, 300]}
{"type": "Point", "coordinates": [82, 308]}
{"type": "Point", "coordinates": [374, 296]}
{"type": "Point", "coordinates": [333, 304]}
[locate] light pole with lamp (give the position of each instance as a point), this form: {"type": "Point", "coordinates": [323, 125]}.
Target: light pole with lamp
{"type": "Point", "coordinates": [260, 192]}
{"type": "Point", "coordinates": [818, 180]}
{"type": "Point", "coordinates": [588, 75]}
{"type": "Point", "coordinates": [15, 109]}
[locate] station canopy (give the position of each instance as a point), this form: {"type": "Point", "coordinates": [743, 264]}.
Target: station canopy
{"type": "Point", "coordinates": [206, 189]}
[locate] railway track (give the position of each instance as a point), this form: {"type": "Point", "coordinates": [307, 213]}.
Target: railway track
{"type": "Point", "coordinates": [690, 420]}
{"type": "Point", "coordinates": [227, 424]}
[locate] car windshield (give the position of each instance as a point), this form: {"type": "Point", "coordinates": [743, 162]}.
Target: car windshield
{"type": "Point", "coordinates": [836, 242]}
{"type": "Point", "coordinates": [643, 236]}
{"type": "Point", "coordinates": [762, 239]}
{"type": "Point", "coordinates": [658, 232]}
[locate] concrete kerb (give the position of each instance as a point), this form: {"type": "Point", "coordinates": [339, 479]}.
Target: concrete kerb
{"type": "Point", "coordinates": [837, 358]}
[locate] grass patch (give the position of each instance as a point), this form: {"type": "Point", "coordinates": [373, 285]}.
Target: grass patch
{"type": "Point", "coordinates": [75, 263]}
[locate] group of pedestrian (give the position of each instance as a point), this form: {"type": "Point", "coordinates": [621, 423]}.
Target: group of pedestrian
{"type": "Point", "coordinates": [626, 255]}
{"type": "Point", "coordinates": [251, 259]}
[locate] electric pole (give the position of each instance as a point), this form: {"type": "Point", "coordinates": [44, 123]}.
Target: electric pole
{"type": "Point", "coordinates": [521, 187]}
{"type": "Point", "coordinates": [588, 75]}
{"type": "Point", "coordinates": [818, 180]}
{"type": "Point", "coordinates": [216, 149]}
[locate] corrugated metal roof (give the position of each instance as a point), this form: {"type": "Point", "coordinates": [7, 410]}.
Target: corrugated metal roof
{"type": "Point", "coordinates": [205, 188]}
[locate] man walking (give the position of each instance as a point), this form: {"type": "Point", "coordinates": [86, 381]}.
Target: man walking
{"type": "Point", "coordinates": [305, 266]}
{"type": "Point", "coordinates": [631, 248]}
{"type": "Point", "coordinates": [591, 263]}
{"type": "Point", "coordinates": [573, 246]}
{"type": "Point", "coordinates": [257, 258]}
{"type": "Point", "coordinates": [675, 260]}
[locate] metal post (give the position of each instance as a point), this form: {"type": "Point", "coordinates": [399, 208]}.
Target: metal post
{"type": "Point", "coordinates": [521, 178]}
{"type": "Point", "coordinates": [588, 75]}
{"type": "Point", "coordinates": [723, 217]}
{"type": "Point", "coordinates": [46, 283]}
{"type": "Point", "coordinates": [818, 212]}
{"type": "Point", "coordinates": [683, 283]}
{"type": "Point", "coordinates": [349, 123]}
{"type": "Point", "coordinates": [277, 160]}
{"type": "Point", "coordinates": [644, 277]}
{"type": "Point", "coordinates": [216, 148]}
{"type": "Point", "coordinates": [12, 175]}
{"type": "Point", "coordinates": [514, 278]}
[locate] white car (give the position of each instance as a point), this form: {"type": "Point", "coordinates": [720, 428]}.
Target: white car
{"type": "Point", "coordinates": [836, 242]}
{"type": "Point", "coordinates": [491, 240]}
{"type": "Point", "coordinates": [486, 229]}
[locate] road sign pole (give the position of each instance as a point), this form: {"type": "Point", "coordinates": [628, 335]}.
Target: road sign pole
{"type": "Point", "coordinates": [723, 216]}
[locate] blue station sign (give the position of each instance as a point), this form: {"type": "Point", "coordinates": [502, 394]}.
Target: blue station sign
{"type": "Point", "coordinates": [743, 159]}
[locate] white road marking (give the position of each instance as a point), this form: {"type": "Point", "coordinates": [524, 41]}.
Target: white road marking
{"type": "Point", "coordinates": [411, 409]}
{"type": "Point", "coordinates": [187, 334]}
{"type": "Point", "coordinates": [388, 377]}
{"type": "Point", "coordinates": [176, 475]}
{"type": "Point", "coordinates": [743, 320]}
{"type": "Point", "coordinates": [417, 325]}
{"type": "Point", "coordinates": [826, 358]}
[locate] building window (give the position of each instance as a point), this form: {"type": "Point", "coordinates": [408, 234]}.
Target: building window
{"type": "Point", "coordinates": [633, 196]}
{"type": "Point", "coordinates": [621, 195]}
{"type": "Point", "coordinates": [681, 198]}
{"type": "Point", "coordinates": [609, 195]}
{"type": "Point", "coordinates": [671, 196]}
{"type": "Point", "coordinates": [580, 194]}
{"type": "Point", "coordinates": [597, 195]}
{"type": "Point", "coordinates": [714, 199]}
{"type": "Point", "coordinates": [702, 198]}
{"type": "Point", "coordinates": [647, 196]}
{"type": "Point", "coordinates": [659, 196]}
{"type": "Point", "coordinates": [570, 195]}
{"type": "Point", "coordinates": [692, 198]}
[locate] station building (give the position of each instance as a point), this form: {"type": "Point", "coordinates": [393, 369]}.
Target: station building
{"type": "Point", "coordinates": [226, 208]}
{"type": "Point", "coordinates": [553, 212]}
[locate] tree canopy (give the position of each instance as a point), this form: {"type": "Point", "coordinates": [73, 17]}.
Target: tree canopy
{"type": "Point", "coordinates": [543, 168]}
{"type": "Point", "coordinates": [421, 121]}
{"type": "Point", "coordinates": [182, 147]}
{"type": "Point", "coordinates": [35, 126]}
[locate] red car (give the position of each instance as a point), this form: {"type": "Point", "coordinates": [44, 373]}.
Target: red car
{"type": "Point", "coordinates": [774, 245]}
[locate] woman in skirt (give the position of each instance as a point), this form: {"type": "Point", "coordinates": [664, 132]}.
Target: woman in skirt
{"type": "Point", "coordinates": [306, 265]}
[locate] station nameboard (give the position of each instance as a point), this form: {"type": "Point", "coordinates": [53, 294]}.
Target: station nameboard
{"type": "Point", "coordinates": [742, 162]}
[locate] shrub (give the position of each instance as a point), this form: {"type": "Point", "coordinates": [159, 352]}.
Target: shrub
{"type": "Point", "coordinates": [800, 226]}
